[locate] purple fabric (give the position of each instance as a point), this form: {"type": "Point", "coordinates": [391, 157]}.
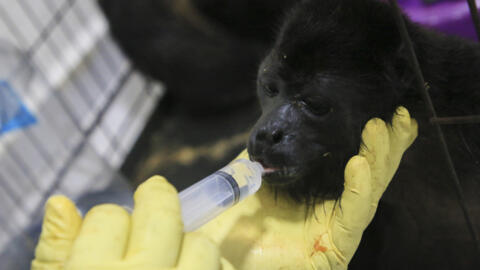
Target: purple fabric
{"type": "Point", "coordinates": [447, 16]}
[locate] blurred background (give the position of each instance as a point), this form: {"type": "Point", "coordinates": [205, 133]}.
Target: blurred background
{"type": "Point", "coordinates": [97, 96]}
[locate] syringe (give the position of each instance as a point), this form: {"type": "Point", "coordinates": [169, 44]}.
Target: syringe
{"type": "Point", "coordinates": [219, 191]}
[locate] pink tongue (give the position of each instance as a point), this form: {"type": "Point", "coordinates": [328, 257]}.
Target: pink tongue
{"type": "Point", "coordinates": [269, 170]}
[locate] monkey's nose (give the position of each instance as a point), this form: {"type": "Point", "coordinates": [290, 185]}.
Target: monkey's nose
{"type": "Point", "coordinates": [272, 136]}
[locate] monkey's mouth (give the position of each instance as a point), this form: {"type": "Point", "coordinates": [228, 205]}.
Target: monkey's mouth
{"type": "Point", "coordinates": [279, 175]}
{"type": "Point", "coordinates": [276, 173]}
{"type": "Point", "coordinates": [284, 172]}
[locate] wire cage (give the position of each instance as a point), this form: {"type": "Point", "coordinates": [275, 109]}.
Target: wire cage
{"type": "Point", "coordinates": [71, 107]}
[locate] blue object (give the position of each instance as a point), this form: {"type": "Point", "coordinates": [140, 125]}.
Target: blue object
{"type": "Point", "coordinates": [13, 112]}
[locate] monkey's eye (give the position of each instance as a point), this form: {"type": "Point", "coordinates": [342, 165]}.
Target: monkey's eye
{"type": "Point", "coordinates": [270, 90]}
{"type": "Point", "coordinates": [317, 107]}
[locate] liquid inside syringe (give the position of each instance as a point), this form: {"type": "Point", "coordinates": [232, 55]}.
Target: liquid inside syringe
{"type": "Point", "coordinates": [219, 191]}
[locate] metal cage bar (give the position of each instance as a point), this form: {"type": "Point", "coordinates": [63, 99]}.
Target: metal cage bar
{"type": "Point", "coordinates": [469, 119]}
{"type": "Point", "coordinates": [472, 5]}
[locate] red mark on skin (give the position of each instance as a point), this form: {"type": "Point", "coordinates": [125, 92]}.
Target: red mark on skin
{"type": "Point", "coordinates": [317, 247]}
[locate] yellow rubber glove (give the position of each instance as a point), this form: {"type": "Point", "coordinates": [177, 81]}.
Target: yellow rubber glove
{"type": "Point", "coordinates": [109, 238]}
{"type": "Point", "coordinates": [268, 232]}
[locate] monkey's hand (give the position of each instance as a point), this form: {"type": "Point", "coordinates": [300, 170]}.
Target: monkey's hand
{"type": "Point", "coordinates": [109, 238]}
{"type": "Point", "coordinates": [340, 224]}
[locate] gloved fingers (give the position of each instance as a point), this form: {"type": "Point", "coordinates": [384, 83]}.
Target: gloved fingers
{"type": "Point", "coordinates": [403, 131]}
{"type": "Point", "coordinates": [376, 149]}
{"type": "Point", "coordinates": [103, 235]}
{"type": "Point", "coordinates": [59, 229]}
{"type": "Point", "coordinates": [352, 215]}
{"type": "Point", "coordinates": [198, 252]}
{"type": "Point", "coordinates": [375, 139]}
{"type": "Point", "coordinates": [156, 229]}
{"type": "Point", "coordinates": [226, 265]}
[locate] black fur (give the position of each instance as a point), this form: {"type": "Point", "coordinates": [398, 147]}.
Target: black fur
{"type": "Point", "coordinates": [336, 64]}
{"type": "Point", "coordinates": [202, 50]}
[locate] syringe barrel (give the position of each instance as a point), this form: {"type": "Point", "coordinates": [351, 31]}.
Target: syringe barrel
{"type": "Point", "coordinates": [219, 191]}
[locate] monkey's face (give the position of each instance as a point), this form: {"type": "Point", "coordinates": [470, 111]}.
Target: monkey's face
{"type": "Point", "coordinates": [316, 91]}
{"type": "Point", "coordinates": [308, 129]}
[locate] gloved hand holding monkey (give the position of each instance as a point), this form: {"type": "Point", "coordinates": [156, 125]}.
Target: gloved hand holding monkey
{"type": "Point", "coordinates": [262, 232]}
